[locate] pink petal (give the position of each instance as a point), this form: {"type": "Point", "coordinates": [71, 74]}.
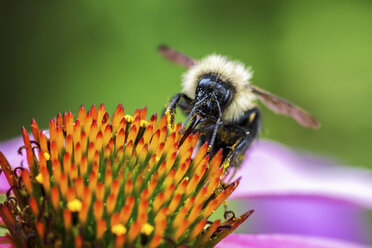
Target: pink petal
{"type": "Point", "coordinates": [9, 149]}
{"type": "Point", "coordinates": [271, 169]}
{"type": "Point", "coordinates": [282, 241]}
{"type": "Point", "coordinates": [312, 216]}
{"type": "Point", "coordinates": [5, 242]}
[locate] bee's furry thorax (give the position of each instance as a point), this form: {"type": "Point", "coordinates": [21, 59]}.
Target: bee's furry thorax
{"type": "Point", "coordinates": [228, 71]}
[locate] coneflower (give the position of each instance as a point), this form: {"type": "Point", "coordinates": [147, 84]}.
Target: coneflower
{"type": "Point", "coordinates": [124, 182]}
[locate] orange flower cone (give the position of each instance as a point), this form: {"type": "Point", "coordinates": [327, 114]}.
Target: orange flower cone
{"type": "Point", "coordinates": [119, 182]}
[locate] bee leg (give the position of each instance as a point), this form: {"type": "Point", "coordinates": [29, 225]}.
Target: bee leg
{"type": "Point", "coordinates": [248, 126]}
{"type": "Point", "coordinates": [171, 111]}
{"type": "Point", "coordinates": [213, 139]}
{"type": "Point", "coordinates": [218, 124]}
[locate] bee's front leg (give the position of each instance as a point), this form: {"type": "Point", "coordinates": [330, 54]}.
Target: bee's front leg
{"type": "Point", "coordinates": [171, 108]}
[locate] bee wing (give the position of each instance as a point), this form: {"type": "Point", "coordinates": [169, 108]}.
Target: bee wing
{"type": "Point", "coordinates": [281, 106]}
{"type": "Point", "coordinates": [175, 56]}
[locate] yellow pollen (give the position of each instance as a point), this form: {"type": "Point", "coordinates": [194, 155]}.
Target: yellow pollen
{"type": "Point", "coordinates": [157, 158]}
{"type": "Point", "coordinates": [147, 229]}
{"type": "Point", "coordinates": [129, 118]}
{"type": "Point", "coordinates": [118, 229]}
{"type": "Point", "coordinates": [209, 148]}
{"type": "Point", "coordinates": [39, 178]}
{"type": "Point", "coordinates": [144, 123]}
{"type": "Point", "coordinates": [170, 120]}
{"type": "Point", "coordinates": [74, 205]}
{"type": "Point", "coordinates": [46, 156]}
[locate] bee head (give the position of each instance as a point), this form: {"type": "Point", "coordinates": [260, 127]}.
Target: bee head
{"type": "Point", "coordinates": [212, 96]}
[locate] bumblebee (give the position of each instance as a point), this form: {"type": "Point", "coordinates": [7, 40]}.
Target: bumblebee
{"type": "Point", "coordinates": [220, 102]}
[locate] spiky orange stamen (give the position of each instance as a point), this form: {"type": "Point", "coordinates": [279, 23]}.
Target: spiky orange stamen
{"type": "Point", "coordinates": [67, 218]}
{"type": "Point", "coordinates": [148, 134]}
{"type": "Point", "coordinates": [84, 212]}
{"type": "Point", "coordinates": [153, 119]}
{"type": "Point", "coordinates": [30, 156]}
{"type": "Point", "coordinates": [84, 141]}
{"type": "Point", "coordinates": [155, 241]}
{"type": "Point", "coordinates": [101, 113]}
{"type": "Point", "coordinates": [111, 202]}
{"type": "Point", "coordinates": [68, 144]}
{"type": "Point", "coordinates": [79, 241]}
{"type": "Point", "coordinates": [161, 221]}
{"type": "Point", "coordinates": [82, 115]}
{"type": "Point", "coordinates": [170, 178]}
{"type": "Point", "coordinates": [168, 192]}
{"type": "Point", "coordinates": [127, 210]}
{"type": "Point", "coordinates": [174, 203]}
{"type": "Point", "coordinates": [198, 229]}
{"type": "Point", "coordinates": [34, 206]}
{"type": "Point", "coordinates": [98, 142]}
{"type": "Point", "coordinates": [52, 129]}
{"type": "Point", "coordinates": [27, 181]}
{"type": "Point", "coordinates": [88, 122]}
{"type": "Point", "coordinates": [55, 198]}
{"type": "Point", "coordinates": [182, 186]}
{"type": "Point", "coordinates": [43, 142]}
{"type": "Point", "coordinates": [105, 177]}
{"type": "Point", "coordinates": [119, 241]}
{"type": "Point", "coordinates": [158, 202]}
{"type": "Point", "coordinates": [92, 181]}
{"type": "Point", "coordinates": [187, 155]}
{"type": "Point", "coordinates": [40, 229]}
{"type": "Point", "coordinates": [210, 230]}
{"type": "Point", "coordinates": [195, 212]}
{"type": "Point", "coordinates": [142, 211]}
{"type": "Point", "coordinates": [100, 191]}
{"type": "Point", "coordinates": [59, 139]}
{"type": "Point", "coordinates": [182, 170]}
{"type": "Point", "coordinates": [77, 132]}
{"type": "Point", "coordinates": [115, 187]}
{"type": "Point", "coordinates": [8, 218]}
{"type": "Point", "coordinates": [180, 217]}
{"type": "Point", "coordinates": [35, 130]}
{"type": "Point", "coordinates": [71, 194]}
{"type": "Point", "coordinates": [134, 231]}
{"type": "Point", "coordinates": [181, 229]}
{"type": "Point", "coordinates": [53, 150]}
{"type": "Point", "coordinates": [69, 122]}
{"type": "Point", "coordinates": [101, 228]}
{"type": "Point", "coordinates": [115, 219]}
{"type": "Point", "coordinates": [214, 182]}
{"type": "Point", "coordinates": [98, 210]}
{"type": "Point", "coordinates": [56, 166]}
{"type": "Point", "coordinates": [63, 185]}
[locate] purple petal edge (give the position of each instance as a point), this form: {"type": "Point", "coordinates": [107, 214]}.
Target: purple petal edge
{"type": "Point", "coordinates": [271, 169]}
{"type": "Point", "coordinates": [10, 150]}
{"type": "Point", "coordinates": [283, 241]}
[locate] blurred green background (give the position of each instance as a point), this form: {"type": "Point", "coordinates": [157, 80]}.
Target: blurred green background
{"type": "Point", "coordinates": [57, 55]}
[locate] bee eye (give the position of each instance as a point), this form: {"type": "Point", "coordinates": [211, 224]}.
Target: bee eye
{"type": "Point", "coordinates": [204, 83]}
{"type": "Point", "coordinates": [223, 95]}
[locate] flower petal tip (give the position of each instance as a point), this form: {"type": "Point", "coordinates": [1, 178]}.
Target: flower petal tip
{"type": "Point", "coordinates": [284, 241]}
